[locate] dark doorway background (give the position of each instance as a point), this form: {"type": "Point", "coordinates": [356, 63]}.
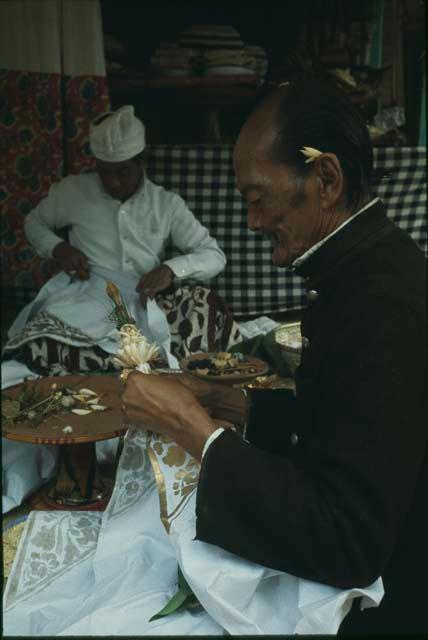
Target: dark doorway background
{"type": "Point", "coordinates": [271, 24]}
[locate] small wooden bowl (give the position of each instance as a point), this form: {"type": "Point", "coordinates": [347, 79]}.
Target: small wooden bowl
{"type": "Point", "coordinates": [242, 375]}
{"type": "Point", "coordinates": [288, 337]}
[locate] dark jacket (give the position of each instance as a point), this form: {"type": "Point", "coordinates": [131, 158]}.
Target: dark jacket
{"type": "Point", "coordinates": [333, 486]}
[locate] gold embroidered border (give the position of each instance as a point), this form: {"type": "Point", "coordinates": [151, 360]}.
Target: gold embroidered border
{"type": "Point", "coordinates": [166, 518]}
{"type": "Point", "coordinates": [160, 483]}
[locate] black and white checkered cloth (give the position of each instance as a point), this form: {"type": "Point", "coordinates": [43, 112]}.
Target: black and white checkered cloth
{"type": "Point", "coordinates": [250, 284]}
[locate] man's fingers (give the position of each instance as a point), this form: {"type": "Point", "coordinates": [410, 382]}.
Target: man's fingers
{"type": "Point", "coordinates": [147, 286]}
{"type": "Point", "coordinates": [79, 266]}
{"type": "Point", "coordinates": [144, 283]}
{"type": "Point", "coordinates": [69, 268]}
{"type": "Point", "coordinates": [79, 262]}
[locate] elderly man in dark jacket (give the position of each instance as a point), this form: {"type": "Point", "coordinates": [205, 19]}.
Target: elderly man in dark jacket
{"type": "Point", "coordinates": [330, 485]}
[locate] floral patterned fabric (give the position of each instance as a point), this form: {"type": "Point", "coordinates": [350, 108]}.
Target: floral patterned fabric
{"type": "Point", "coordinates": [44, 120]}
{"type": "Point", "coordinates": [51, 554]}
{"type": "Point", "coordinates": [198, 320]}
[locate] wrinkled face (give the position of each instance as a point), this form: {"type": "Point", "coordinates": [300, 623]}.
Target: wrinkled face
{"type": "Point", "coordinates": [121, 179]}
{"type": "Point", "coordinates": [280, 204]}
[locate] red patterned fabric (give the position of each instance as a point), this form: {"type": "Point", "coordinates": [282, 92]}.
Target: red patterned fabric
{"type": "Point", "coordinates": [44, 120]}
{"type": "Point", "coordinates": [85, 98]}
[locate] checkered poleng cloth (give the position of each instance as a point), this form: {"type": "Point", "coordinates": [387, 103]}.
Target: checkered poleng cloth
{"type": "Point", "coordinates": [250, 284]}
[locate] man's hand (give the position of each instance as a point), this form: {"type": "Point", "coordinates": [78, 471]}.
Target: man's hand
{"type": "Point", "coordinates": [156, 280]}
{"type": "Point", "coordinates": [72, 260]}
{"type": "Point", "coordinates": [161, 404]}
{"type": "Point", "coordinates": [221, 401]}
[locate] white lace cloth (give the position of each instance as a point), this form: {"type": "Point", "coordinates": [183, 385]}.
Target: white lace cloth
{"type": "Point", "coordinates": [84, 573]}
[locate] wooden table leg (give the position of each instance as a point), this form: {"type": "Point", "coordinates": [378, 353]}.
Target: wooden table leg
{"type": "Point", "coordinates": [78, 483]}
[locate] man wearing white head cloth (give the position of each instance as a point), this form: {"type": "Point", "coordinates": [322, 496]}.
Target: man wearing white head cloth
{"type": "Point", "coordinates": [119, 219]}
{"type": "Point", "coordinates": [118, 224]}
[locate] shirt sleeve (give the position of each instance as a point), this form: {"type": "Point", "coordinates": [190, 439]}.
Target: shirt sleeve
{"type": "Point", "coordinates": [40, 222]}
{"type": "Point", "coordinates": [202, 258]}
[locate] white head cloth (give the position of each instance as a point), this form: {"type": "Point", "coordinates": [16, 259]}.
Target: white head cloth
{"type": "Point", "coordinates": [119, 137]}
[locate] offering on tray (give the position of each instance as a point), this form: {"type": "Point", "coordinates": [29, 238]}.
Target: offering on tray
{"type": "Point", "coordinates": [224, 367]}
{"type": "Point", "coordinates": [63, 409]}
{"type": "Point", "coordinates": [33, 406]}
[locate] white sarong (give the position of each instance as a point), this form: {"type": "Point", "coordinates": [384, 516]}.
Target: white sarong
{"type": "Point", "coordinates": [85, 573]}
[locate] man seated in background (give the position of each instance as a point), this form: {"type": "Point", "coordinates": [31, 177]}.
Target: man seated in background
{"type": "Point", "coordinates": [332, 486]}
{"type": "Point", "coordinates": [119, 223]}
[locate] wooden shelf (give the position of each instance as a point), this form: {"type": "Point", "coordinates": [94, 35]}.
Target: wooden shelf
{"type": "Point", "coordinates": [151, 82]}
{"type": "Point", "coordinates": [212, 91]}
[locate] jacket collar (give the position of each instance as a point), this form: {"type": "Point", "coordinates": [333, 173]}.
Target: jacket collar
{"type": "Point", "coordinates": [342, 246]}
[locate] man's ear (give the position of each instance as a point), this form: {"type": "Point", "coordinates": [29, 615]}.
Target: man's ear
{"type": "Point", "coordinates": [330, 179]}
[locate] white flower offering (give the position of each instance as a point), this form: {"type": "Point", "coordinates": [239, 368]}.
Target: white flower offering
{"type": "Point", "coordinates": [135, 351]}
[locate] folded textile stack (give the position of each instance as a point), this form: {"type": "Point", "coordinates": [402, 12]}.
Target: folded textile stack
{"type": "Point", "coordinates": [261, 61]}
{"type": "Point", "coordinates": [229, 61]}
{"type": "Point", "coordinates": [221, 50]}
{"type": "Point", "coordinates": [170, 59]}
{"type": "Point", "coordinates": [211, 36]}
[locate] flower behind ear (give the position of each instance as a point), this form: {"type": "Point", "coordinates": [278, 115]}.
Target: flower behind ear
{"type": "Point", "coordinates": [310, 153]}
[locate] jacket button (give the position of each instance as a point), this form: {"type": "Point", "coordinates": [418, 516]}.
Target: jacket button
{"type": "Point", "coordinates": [313, 295]}
{"type": "Point", "coordinates": [305, 342]}
{"type": "Point", "coordinates": [294, 439]}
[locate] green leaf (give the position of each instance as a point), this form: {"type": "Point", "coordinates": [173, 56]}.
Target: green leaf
{"type": "Point", "coordinates": [183, 584]}
{"type": "Point", "coordinates": [183, 599]}
{"type": "Point", "coordinates": [172, 606]}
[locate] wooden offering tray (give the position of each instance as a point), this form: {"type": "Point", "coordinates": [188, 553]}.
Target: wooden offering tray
{"type": "Point", "coordinates": [78, 483]}
{"type": "Point", "coordinates": [88, 428]}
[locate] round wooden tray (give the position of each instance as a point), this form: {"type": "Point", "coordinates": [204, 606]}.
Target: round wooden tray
{"type": "Point", "coordinates": [95, 426]}
{"type": "Point", "coordinates": [260, 369]}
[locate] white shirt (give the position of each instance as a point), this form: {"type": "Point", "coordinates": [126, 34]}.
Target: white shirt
{"type": "Point", "coordinates": [128, 236]}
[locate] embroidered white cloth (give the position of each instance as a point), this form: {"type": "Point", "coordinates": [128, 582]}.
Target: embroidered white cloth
{"type": "Point", "coordinates": [83, 305]}
{"type": "Point", "coordinates": [128, 236]}
{"type": "Point", "coordinates": [83, 573]}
